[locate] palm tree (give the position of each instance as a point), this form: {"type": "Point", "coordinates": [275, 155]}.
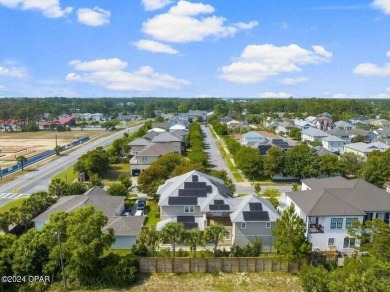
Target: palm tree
{"type": "Point", "coordinates": [149, 238]}
{"type": "Point", "coordinates": [21, 159]}
{"type": "Point", "coordinates": [193, 238]}
{"type": "Point", "coordinates": [57, 188]}
{"type": "Point", "coordinates": [173, 232]}
{"type": "Point", "coordinates": [216, 234]}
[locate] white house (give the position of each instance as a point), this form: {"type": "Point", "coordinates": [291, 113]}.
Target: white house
{"type": "Point", "coordinates": [284, 127]}
{"type": "Point", "coordinates": [302, 124]}
{"type": "Point", "coordinates": [345, 126]}
{"type": "Point", "coordinates": [313, 135]}
{"type": "Point", "coordinates": [330, 205]}
{"type": "Point", "coordinates": [252, 139]}
{"type": "Point", "coordinates": [333, 144]}
{"type": "Point", "coordinates": [364, 149]}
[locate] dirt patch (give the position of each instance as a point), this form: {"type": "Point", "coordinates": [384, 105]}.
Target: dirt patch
{"type": "Point", "coordinates": [14, 144]}
{"type": "Point", "coordinates": [269, 135]}
{"type": "Point", "coordinates": [219, 282]}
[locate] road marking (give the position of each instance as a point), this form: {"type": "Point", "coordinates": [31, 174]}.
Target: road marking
{"type": "Point", "coordinates": [13, 196]}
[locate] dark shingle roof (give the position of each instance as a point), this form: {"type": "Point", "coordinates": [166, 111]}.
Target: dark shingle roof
{"type": "Point", "coordinates": [125, 225]}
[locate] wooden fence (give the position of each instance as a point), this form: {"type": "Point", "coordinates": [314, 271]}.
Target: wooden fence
{"type": "Point", "coordinates": [215, 265]}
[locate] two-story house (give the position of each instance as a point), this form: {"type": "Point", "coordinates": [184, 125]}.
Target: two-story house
{"type": "Point", "coordinates": [343, 125]}
{"type": "Point", "coordinates": [324, 123]}
{"type": "Point", "coordinates": [252, 139]}
{"type": "Point", "coordinates": [340, 133]}
{"type": "Point", "coordinates": [333, 144]}
{"type": "Point", "coordinates": [198, 200]}
{"type": "Point", "coordinates": [311, 135]}
{"type": "Point", "coordinates": [329, 206]}
{"type": "Point", "coordinates": [284, 127]}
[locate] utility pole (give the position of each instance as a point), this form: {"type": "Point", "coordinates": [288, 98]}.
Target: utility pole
{"type": "Point", "coordinates": [61, 258]}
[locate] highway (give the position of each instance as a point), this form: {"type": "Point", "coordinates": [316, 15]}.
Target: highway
{"type": "Point", "coordinates": [39, 180]}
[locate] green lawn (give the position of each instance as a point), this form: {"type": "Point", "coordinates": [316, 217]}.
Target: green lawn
{"type": "Point", "coordinates": [237, 176]}
{"type": "Point", "coordinates": [13, 203]}
{"type": "Point", "coordinates": [152, 214]}
{"type": "Point", "coordinates": [66, 175]}
{"type": "Point", "coordinates": [117, 169]}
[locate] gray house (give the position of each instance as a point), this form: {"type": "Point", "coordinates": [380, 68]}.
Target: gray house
{"type": "Point", "coordinates": [198, 200]}
{"type": "Point", "coordinates": [126, 229]}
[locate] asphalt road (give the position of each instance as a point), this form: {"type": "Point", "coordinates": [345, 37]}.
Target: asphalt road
{"type": "Point", "coordinates": [39, 179]}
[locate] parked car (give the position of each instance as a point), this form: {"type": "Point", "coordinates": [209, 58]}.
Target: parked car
{"type": "Point", "coordinates": [141, 203]}
{"type": "Point", "coordinates": [127, 214]}
{"type": "Point", "coordinates": [139, 213]}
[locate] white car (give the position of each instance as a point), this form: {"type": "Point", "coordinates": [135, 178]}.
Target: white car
{"type": "Point", "coordinates": [139, 213]}
{"type": "Point", "coordinates": [127, 214]}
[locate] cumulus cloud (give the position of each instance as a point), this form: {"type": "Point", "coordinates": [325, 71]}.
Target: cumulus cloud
{"type": "Point", "coordinates": [155, 47]}
{"type": "Point", "coordinates": [12, 72]}
{"type": "Point", "coordinates": [384, 95]}
{"type": "Point", "coordinates": [110, 74]}
{"type": "Point", "coordinates": [182, 24]}
{"type": "Point", "coordinates": [370, 69]}
{"type": "Point", "coordinates": [93, 17]}
{"type": "Point", "coordinates": [383, 5]}
{"type": "Point", "coordinates": [150, 5]}
{"type": "Point", "coordinates": [259, 62]}
{"type": "Point", "coordinates": [294, 80]}
{"type": "Point", "coordinates": [344, 96]}
{"type": "Point", "coordinates": [49, 8]}
{"type": "Point", "coordinates": [274, 94]}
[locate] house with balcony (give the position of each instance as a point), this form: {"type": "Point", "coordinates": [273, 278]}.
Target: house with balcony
{"type": "Point", "coordinates": [329, 206]}
{"type": "Point", "coordinates": [333, 144]}
{"type": "Point", "coordinates": [198, 200]}
{"type": "Point", "coordinates": [324, 123]}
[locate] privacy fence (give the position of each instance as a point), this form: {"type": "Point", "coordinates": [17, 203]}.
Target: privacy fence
{"type": "Point", "coordinates": [215, 265]}
{"type": "Point", "coordinates": [41, 156]}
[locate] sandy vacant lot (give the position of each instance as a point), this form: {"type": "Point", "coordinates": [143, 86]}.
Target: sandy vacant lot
{"type": "Point", "coordinates": [13, 144]}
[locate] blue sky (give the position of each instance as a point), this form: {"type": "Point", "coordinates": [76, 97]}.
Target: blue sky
{"type": "Point", "coordinates": [247, 48]}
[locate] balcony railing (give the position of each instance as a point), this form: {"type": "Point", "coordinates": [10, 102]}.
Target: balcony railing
{"type": "Point", "coordinates": [316, 228]}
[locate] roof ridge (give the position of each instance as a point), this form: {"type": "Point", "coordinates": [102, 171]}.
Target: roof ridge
{"type": "Point", "coordinates": [336, 196]}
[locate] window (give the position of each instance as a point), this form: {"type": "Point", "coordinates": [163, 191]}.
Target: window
{"type": "Point", "coordinates": [268, 225]}
{"type": "Point", "coordinates": [336, 223]}
{"type": "Point", "coordinates": [188, 209]}
{"type": "Point", "coordinates": [227, 235]}
{"type": "Point", "coordinates": [349, 242]}
{"type": "Point", "coordinates": [144, 158]}
{"type": "Point", "coordinates": [331, 241]}
{"type": "Point", "coordinates": [348, 222]}
{"type": "Point", "coordinates": [243, 225]}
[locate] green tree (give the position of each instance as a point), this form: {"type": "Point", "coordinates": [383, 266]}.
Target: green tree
{"type": "Point", "coordinates": [95, 181]}
{"type": "Point", "coordinates": [93, 162]}
{"type": "Point", "coordinates": [173, 233]}
{"type": "Point", "coordinates": [58, 188]}
{"type": "Point", "coordinates": [193, 238]}
{"type": "Point", "coordinates": [118, 189]}
{"type": "Point", "coordinates": [183, 107]}
{"type": "Point", "coordinates": [6, 258]}
{"type": "Point", "coordinates": [215, 233]}
{"type": "Point", "coordinates": [352, 163]}
{"type": "Point", "coordinates": [222, 174]}
{"type": "Point", "coordinates": [57, 149]}
{"type": "Point", "coordinates": [257, 188]}
{"type": "Point", "coordinates": [330, 164]}
{"type": "Point", "coordinates": [125, 181]}
{"type": "Point", "coordinates": [22, 160]}
{"type": "Point", "coordinates": [358, 138]}
{"type": "Point", "coordinates": [295, 187]}
{"type": "Point", "coordinates": [376, 170]}
{"type": "Point", "coordinates": [301, 162]}
{"type": "Point", "coordinates": [295, 133]}
{"type": "Point", "coordinates": [289, 231]}
{"type": "Point", "coordinates": [273, 161]}
{"type": "Point", "coordinates": [250, 162]}
{"type": "Point", "coordinates": [76, 188]}
{"type": "Point", "coordinates": [150, 238]}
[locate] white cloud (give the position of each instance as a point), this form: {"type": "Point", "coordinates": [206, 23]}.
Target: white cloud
{"type": "Point", "coordinates": [93, 17]}
{"type": "Point", "coordinates": [3, 88]}
{"type": "Point", "coordinates": [370, 69]}
{"type": "Point", "coordinates": [49, 8]}
{"type": "Point", "coordinates": [181, 24]}
{"type": "Point", "coordinates": [274, 94]}
{"type": "Point", "coordinates": [154, 47]}
{"type": "Point", "coordinates": [259, 62]}
{"type": "Point", "coordinates": [113, 64]}
{"type": "Point", "coordinates": [344, 96]}
{"type": "Point", "coordinates": [383, 95]}
{"type": "Point", "coordinates": [150, 5]}
{"type": "Point", "coordinates": [109, 73]}
{"type": "Point", "coordinates": [12, 72]}
{"type": "Point", "coordinates": [294, 80]}
{"type": "Point", "coordinates": [383, 5]}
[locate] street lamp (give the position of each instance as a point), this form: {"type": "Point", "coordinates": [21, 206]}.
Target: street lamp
{"type": "Point", "coordinates": [61, 258]}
